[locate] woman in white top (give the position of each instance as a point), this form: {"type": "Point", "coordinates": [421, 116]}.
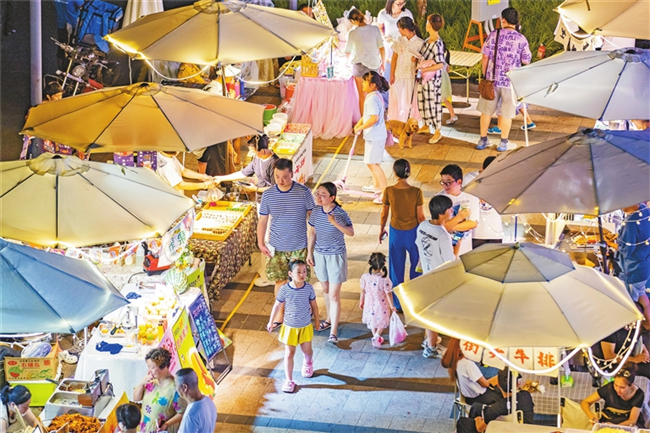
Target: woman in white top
{"type": "Point", "coordinates": [387, 20]}
{"type": "Point", "coordinates": [402, 75]}
{"type": "Point", "coordinates": [366, 47]}
{"type": "Point", "coordinates": [471, 383]}
{"type": "Point", "coordinates": [14, 404]}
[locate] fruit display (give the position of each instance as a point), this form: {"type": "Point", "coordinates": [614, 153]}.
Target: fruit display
{"type": "Point", "coordinates": [297, 128]}
{"type": "Point", "coordinates": [160, 308]}
{"type": "Point", "coordinates": [76, 423]}
{"type": "Point", "coordinates": [148, 332]}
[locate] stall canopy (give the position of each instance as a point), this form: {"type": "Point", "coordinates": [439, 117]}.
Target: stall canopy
{"type": "Point", "coordinates": [48, 292]}
{"type": "Point", "coordinates": [210, 32]}
{"type": "Point", "coordinates": [57, 200]}
{"type": "Point", "coordinates": [624, 18]}
{"type": "Point", "coordinates": [591, 172]}
{"type": "Point", "coordinates": [516, 263]}
{"type": "Point", "coordinates": [576, 309]}
{"type": "Point", "coordinates": [144, 116]}
{"type": "Point", "coordinates": [606, 85]}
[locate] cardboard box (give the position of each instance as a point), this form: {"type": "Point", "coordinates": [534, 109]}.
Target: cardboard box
{"type": "Point", "coordinates": [32, 368]}
{"type": "Point", "coordinates": [41, 390]}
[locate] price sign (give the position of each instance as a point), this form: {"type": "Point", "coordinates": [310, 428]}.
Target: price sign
{"type": "Point", "coordinates": [206, 328]}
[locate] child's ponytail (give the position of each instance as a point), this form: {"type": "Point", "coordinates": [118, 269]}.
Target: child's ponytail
{"type": "Point", "coordinates": [377, 262]}
{"type": "Point", "coordinates": [376, 79]}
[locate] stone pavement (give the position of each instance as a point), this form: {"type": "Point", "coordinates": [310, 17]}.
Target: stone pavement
{"type": "Point", "coordinates": [355, 387]}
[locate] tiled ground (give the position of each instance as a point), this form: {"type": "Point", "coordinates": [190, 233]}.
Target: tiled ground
{"type": "Point", "coordinates": [355, 388]}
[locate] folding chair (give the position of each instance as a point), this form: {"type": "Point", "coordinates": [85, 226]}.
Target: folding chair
{"type": "Point", "coordinates": [461, 407]}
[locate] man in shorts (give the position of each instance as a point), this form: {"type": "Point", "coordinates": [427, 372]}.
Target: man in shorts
{"type": "Point", "coordinates": [512, 51]}
{"type": "Point", "coordinates": [289, 205]}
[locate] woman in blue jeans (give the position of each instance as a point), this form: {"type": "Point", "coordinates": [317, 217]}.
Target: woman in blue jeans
{"type": "Point", "coordinates": [404, 203]}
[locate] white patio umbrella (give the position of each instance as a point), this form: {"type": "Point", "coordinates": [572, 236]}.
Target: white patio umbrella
{"type": "Point", "coordinates": [586, 173]}
{"type": "Point", "coordinates": [211, 32]}
{"type": "Point", "coordinates": [56, 200]}
{"type": "Point", "coordinates": [605, 85]}
{"type": "Point", "coordinates": [144, 116]}
{"type": "Point", "coordinates": [623, 18]}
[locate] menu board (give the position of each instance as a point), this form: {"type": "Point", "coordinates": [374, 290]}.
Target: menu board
{"type": "Point", "coordinates": [206, 328]}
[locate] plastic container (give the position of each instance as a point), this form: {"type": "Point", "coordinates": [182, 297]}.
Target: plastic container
{"type": "Point", "coordinates": [41, 390]}
{"type": "Point", "coordinates": [613, 428]}
{"type": "Point", "coordinates": [290, 90]}
{"type": "Point", "coordinates": [269, 111]}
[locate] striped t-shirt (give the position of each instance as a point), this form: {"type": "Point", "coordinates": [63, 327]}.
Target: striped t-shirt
{"type": "Point", "coordinates": [329, 239]}
{"type": "Point", "coordinates": [297, 312]}
{"type": "Point", "coordinates": [288, 210]}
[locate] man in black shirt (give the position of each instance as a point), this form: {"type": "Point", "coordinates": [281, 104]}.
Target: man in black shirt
{"type": "Point", "coordinates": [480, 414]}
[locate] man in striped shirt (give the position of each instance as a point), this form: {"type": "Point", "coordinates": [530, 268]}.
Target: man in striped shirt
{"type": "Point", "coordinates": [289, 204]}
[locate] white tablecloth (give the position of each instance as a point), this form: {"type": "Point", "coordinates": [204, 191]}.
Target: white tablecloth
{"type": "Point", "coordinates": [125, 369]}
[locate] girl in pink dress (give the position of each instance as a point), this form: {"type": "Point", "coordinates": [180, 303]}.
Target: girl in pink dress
{"type": "Point", "coordinates": [376, 299]}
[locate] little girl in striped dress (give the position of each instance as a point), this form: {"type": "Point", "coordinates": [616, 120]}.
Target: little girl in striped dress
{"type": "Point", "coordinates": [297, 296]}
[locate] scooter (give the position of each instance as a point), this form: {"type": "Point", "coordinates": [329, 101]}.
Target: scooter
{"type": "Point", "coordinates": [340, 184]}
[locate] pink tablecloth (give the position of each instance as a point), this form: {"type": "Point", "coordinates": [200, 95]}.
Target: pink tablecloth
{"type": "Point", "coordinates": [330, 106]}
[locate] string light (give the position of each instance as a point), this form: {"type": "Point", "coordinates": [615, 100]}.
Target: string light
{"type": "Point", "coordinates": [594, 361]}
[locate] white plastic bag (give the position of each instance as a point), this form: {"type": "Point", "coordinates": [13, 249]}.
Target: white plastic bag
{"type": "Point", "coordinates": [397, 332]}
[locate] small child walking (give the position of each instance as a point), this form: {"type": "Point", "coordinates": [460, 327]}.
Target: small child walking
{"type": "Point", "coordinates": [297, 296]}
{"type": "Point", "coordinates": [376, 298]}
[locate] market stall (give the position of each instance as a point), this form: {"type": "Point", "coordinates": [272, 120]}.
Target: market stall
{"type": "Point", "coordinates": [153, 319]}
{"type": "Point", "coordinates": [223, 243]}
{"type": "Point", "coordinates": [331, 106]}
{"type": "Point", "coordinates": [296, 143]}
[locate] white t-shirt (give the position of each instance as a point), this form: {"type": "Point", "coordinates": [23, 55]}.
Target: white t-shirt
{"type": "Point", "coordinates": [490, 224]}
{"type": "Point", "coordinates": [364, 42]}
{"type": "Point", "coordinates": [170, 169]}
{"type": "Point", "coordinates": [434, 246]}
{"type": "Point", "coordinates": [199, 417]}
{"type": "Point", "coordinates": [468, 375]}
{"type": "Point", "coordinates": [391, 32]}
{"type": "Point", "coordinates": [465, 200]}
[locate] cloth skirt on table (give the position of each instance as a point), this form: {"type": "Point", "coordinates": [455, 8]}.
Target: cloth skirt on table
{"type": "Point", "coordinates": [295, 336]}
{"type": "Point", "coordinates": [400, 97]}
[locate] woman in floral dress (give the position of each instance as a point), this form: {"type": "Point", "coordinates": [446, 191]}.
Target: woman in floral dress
{"type": "Point", "coordinates": [162, 407]}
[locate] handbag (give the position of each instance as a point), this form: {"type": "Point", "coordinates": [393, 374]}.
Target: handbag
{"type": "Point", "coordinates": [486, 87]}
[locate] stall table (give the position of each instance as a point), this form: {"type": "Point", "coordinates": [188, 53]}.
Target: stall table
{"type": "Point", "coordinates": [330, 106]}
{"type": "Point", "coordinates": [549, 402]}
{"type": "Point", "coordinates": [296, 144]}
{"type": "Point", "coordinates": [462, 63]}
{"type": "Point", "coordinates": [125, 369]}
{"type": "Point", "coordinates": [227, 256]}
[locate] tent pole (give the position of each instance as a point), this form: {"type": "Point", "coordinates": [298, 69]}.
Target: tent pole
{"type": "Point", "coordinates": [516, 221]}
{"type": "Point", "coordinates": [603, 248]}
{"type": "Point", "coordinates": [513, 395]}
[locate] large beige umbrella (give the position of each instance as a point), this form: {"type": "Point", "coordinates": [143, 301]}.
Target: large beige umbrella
{"type": "Point", "coordinates": [576, 309]}
{"type": "Point", "coordinates": [144, 116]}
{"type": "Point", "coordinates": [57, 200]}
{"type": "Point", "coordinates": [606, 85]}
{"type": "Point", "coordinates": [210, 32]}
{"type": "Point", "coordinates": [623, 18]}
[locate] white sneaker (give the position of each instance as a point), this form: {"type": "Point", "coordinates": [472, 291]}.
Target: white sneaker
{"type": "Point", "coordinates": [368, 188]}
{"type": "Point", "coordinates": [452, 120]}
{"type": "Point", "coordinates": [261, 282]}
{"type": "Point", "coordinates": [67, 357]}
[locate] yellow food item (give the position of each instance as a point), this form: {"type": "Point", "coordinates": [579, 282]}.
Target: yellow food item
{"type": "Point", "coordinates": [611, 430]}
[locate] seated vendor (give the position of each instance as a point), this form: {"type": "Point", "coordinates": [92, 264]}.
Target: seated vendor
{"type": "Point", "coordinates": [481, 415]}
{"type": "Point", "coordinates": [14, 402]}
{"type": "Point", "coordinates": [261, 166]}
{"type": "Point", "coordinates": [607, 353]}
{"type": "Point", "coordinates": [173, 172]}
{"type": "Point", "coordinates": [623, 400]}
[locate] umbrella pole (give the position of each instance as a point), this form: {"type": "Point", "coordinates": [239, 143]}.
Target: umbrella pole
{"type": "Point", "coordinates": [513, 396]}
{"type": "Point", "coordinates": [525, 122]}
{"type": "Point", "coordinates": [223, 92]}
{"type": "Point", "coordinates": [603, 248]}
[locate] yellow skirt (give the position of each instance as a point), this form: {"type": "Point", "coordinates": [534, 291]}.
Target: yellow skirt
{"type": "Point", "coordinates": [295, 336]}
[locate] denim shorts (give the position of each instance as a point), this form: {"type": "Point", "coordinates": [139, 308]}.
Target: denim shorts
{"type": "Point", "coordinates": [636, 290]}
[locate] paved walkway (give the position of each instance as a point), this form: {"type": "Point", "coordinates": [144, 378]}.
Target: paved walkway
{"type": "Point", "coordinates": [355, 388]}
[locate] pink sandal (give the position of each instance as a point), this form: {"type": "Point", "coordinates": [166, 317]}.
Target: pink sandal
{"type": "Point", "coordinates": [289, 386]}
{"type": "Point", "coordinates": [307, 369]}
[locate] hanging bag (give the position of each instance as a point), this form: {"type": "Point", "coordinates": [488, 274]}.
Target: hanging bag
{"type": "Point", "coordinates": [486, 87]}
{"type": "Point", "coordinates": [397, 332]}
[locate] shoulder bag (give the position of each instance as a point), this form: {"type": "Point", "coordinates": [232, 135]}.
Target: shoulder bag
{"type": "Point", "coordinates": [486, 87]}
